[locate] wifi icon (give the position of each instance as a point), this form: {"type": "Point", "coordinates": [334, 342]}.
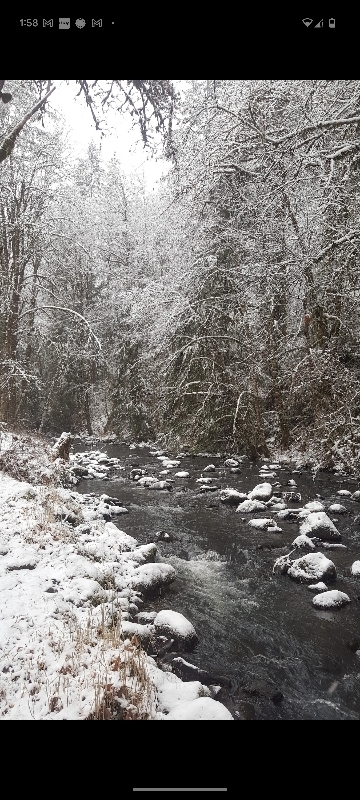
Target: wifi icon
{"type": "Point", "coordinates": [307, 21]}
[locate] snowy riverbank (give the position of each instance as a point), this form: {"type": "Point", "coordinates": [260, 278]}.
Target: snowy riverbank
{"type": "Point", "coordinates": [69, 588]}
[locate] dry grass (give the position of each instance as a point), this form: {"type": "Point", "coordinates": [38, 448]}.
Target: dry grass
{"type": "Point", "coordinates": [41, 518]}
{"type": "Point", "coordinates": [95, 657]}
{"type": "Point", "coordinates": [124, 691]}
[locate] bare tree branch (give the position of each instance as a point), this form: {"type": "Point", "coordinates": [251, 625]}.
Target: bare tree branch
{"type": "Point", "coordinates": [8, 143]}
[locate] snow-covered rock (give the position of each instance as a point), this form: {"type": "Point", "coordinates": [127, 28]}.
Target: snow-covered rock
{"type": "Point", "coordinates": [314, 505]}
{"type": "Point", "coordinates": [170, 463]}
{"type": "Point", "coordinates": [249, 506]}
{"type": "Point", "coordinates": [355, 568]}
{"type": "Point", "coordinates": [150, 577]}
{"type": "Point", "coordinates": [232, 496]}
{"type": "Point", "coordinates": [84, 591]}
{"type": "Point", "coordinates": [333, 546]}
{"type": "Point", "coordinates": [337, 508]}
{"type": "Point", "coordinates": [121, 540]}
{"type": "Point", "coordinates": [171, 691]}
{"type": "Point", "coordinates": [182, 474]}
{"type": "Point", "coordinates": [318, 524]}
{"type": "Point", "coordinates": [146, 481]}
{"type": "Point", "coordinates": [331, 599]}
{"type": "Point", "coordinates": [275, 499]}
{"type": "Point", "coordinates": [262, 491]}
{"type": "Point", "coordinates": [142, 632]}
{"type": "Point", "coordinates": [313, 566]}
{"type": "Point", "coordinates": [231, 462]}
{"type": "Point", "coordinates": [356, 496]}
{"type": "Point", "coordinates": [146, 617]}
{"type": "Point", "coordinates": [205, 481]}
{"type": "Point", "coordinates": [344, 493]}
{"type": "Point", "coordinates": [318, 587]}
{"type": "Point", "coordinates": [188, 672]}
{"type": "Point", "coordinates": [144, 554]}
{"type": "Point", "coordinates": [276, 504]}
{"type": "Point", "coordinates": [303, 541]}
{"type": "Point", "coordinates": [175, 625]}
{"type": "Point", "coordinates": [160, 485]}
{"type": "Point", "coordinates": [204, 708]}
{"type": "Point", "coordinates": [107, 510]}
{"type": "Point", "coordinates": [209, 468]}
{"type": "Point", "coordinates": [262, 524]}
{"type": "Point", "coordinates": [95, 474]}
{"type": "Point", "coordinates": [137, 473]}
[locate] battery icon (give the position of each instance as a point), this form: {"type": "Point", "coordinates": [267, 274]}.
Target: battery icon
{"type": "Point", "coordinates": [332, 23]}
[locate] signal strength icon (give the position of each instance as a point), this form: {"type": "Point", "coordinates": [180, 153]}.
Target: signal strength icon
{"type": "Point", "coordinates": [320, 24]}
{"type": "Point", "coordinates": [307, 21]}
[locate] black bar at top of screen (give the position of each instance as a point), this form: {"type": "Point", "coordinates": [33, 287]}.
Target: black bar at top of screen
{"type": "Point", "coordinates": [179, 790]}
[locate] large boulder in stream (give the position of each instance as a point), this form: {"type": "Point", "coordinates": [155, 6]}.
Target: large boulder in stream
{"type": "Point", "coordinates": [250, 506]}
{"type": "Point", "coordinates": [312, 567]}
{"type": "Point", "coordinates": [151, 577]}
{"type": "Point", "coordinates": [175, 625]}
{"type": "Point", "coordinates": [262, 491]}
{"type": "Point", "coordinates": [331, 599]}
{"type": "Point", "coordinates": [202, 708]}
{"type": "Point", "coordinates": [320, 525]}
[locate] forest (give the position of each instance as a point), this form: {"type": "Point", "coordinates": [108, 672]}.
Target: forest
{"type": "Point", "coordinates": [218, 313]}
{"type": "Point", "coordinates": [203, 333]}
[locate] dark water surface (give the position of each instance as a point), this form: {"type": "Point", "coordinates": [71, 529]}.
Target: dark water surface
{"type": "Point", "coordinates": [285, 660]}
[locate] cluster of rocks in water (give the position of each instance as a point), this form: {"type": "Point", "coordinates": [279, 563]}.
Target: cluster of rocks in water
{"type": "Point", "coordinates": [166, 633]}
{"type": "Point", "coordinates": [92, 464]}
{"type": "Point", "coordinates": [316, 528]}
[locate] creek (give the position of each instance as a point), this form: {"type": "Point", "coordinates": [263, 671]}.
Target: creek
{"type": "Point", "coordinates": [282, 658]}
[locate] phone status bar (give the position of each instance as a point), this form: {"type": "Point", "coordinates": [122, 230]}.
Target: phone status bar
{"type": "Point", "coordinates": [66, 23]}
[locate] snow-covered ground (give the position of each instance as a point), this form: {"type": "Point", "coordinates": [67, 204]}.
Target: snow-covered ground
{"type": "Point", "coordinates": [68, 588]}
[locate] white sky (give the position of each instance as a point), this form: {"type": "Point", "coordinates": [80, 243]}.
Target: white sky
{"type": "Point", "coordinates": [124, 142]}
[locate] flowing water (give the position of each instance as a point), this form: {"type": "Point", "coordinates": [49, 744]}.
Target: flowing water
{"type": "Point", "coordinates": [283, 658]}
